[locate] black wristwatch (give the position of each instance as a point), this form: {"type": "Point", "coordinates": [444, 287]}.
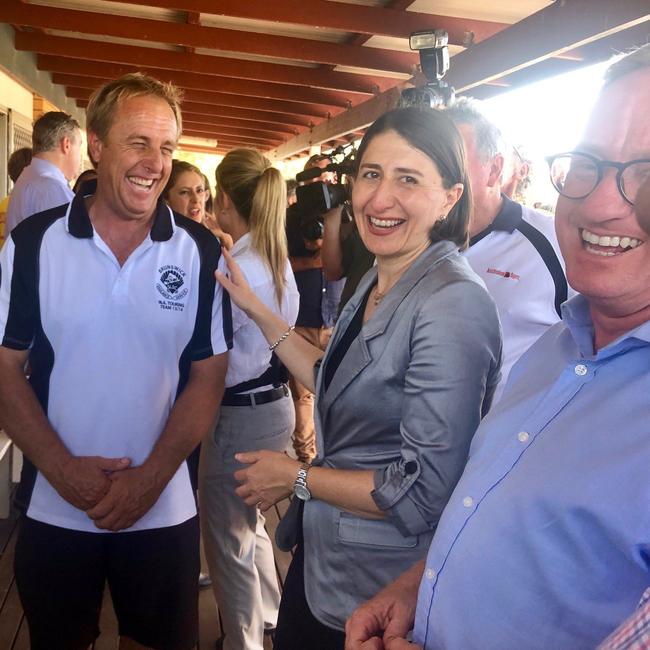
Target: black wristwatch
{"type": "Point", "coordinates": [300, 488]}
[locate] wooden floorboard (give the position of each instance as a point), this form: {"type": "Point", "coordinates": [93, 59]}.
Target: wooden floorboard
{"type": "Point", "coordinates": [14, 634]}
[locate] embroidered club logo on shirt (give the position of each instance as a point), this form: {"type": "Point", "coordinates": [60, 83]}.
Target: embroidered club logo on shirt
{"type": "Point", "coordinates": [171, 285]}
{"type": "Point", "coordinates": [504, 274]}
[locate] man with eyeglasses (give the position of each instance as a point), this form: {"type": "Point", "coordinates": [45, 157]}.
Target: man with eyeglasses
{"type": "Point", "coordinates": [545, 542]}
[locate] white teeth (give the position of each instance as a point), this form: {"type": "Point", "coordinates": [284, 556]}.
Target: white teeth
{"type": "Point", "coordinates": [142, 182]}
{"type": "Point", "coordinates": [384, 223]}
{"type": "Point", "coordinates": [607, 241]}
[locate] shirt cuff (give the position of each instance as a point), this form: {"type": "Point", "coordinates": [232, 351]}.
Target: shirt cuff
{"type": "Point", "coordinates": [391, 496]}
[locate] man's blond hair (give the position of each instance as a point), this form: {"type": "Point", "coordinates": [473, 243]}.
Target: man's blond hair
{"type": "Point", "coordinates": [104, 101]}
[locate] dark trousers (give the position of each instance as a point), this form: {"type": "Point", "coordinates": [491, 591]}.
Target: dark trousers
{"type": "Point", "coordinates": [297, 627]}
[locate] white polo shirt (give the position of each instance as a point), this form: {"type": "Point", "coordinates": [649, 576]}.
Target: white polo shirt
{"type": "Point", "coordinates": [110, 346]}
{"type": "Point", "coordinates": [519, 260]}
{"type": "Point", "coordinates": [250, 355]}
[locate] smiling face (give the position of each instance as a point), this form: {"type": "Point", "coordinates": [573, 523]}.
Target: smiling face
{"type": "Point", "coordinates": [134, 160]}
{"type": "Point", "coordinates": [398, 195]}
{"type": "Point", "coordinates": [606, 252]}
{"type": "Point", "coordinates": [187, 196]}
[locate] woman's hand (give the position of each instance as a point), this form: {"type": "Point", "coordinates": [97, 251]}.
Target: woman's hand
{"type": "Point", "coordinates": [269, 477]}
{"type": "Point", "coordinates": [235, 284]}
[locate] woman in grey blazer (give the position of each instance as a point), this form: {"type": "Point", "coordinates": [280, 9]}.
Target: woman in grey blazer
{"type": "Point", "coordinates": [406, 378]}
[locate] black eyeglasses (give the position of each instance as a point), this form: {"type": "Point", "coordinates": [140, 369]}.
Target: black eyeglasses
{"type": "Point", "coordinates": [575, 175]}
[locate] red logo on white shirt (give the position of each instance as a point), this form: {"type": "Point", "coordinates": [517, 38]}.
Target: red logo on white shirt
{"type": "Point", "coordinates": [504, 274]}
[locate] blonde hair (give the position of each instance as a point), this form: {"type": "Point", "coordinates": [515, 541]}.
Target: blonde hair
{"type": "Point", "coordinates": [104, 101]}
{"type": "Point", "coordinates": [259, 194]}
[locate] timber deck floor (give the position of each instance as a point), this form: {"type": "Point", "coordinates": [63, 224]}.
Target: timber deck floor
{"type": "Point", "coordinates": [14, 634]}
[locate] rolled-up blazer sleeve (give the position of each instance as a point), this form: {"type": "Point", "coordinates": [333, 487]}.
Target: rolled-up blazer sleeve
{"type": "Point", "coordinates": [455, 345]}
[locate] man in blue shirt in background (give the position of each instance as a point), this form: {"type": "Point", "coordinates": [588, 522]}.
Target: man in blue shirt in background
{"type": "Point", "coordinates": [545, 542]}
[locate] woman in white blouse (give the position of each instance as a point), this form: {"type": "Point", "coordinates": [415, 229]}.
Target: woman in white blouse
{"type": "Point", "coordinates": [257, 410]}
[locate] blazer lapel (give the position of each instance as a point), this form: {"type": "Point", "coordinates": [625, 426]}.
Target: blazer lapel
{"type": "Point", "coordinates": [359, 355]}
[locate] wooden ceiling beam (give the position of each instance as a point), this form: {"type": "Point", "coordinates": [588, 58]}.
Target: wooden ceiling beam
{"type": "Point", "coordinates": [209, 65]}
{"type": "Point", "coordinates": [234, 137]}
{"type": "Point", "coordinates": [356, 118]}
{"type": "Point", "coordinates": [203, 122]}
{"type": "Point", "coordinates": [288, 122]}
{"type": "Point", "coordinates": [280, 111]}
{"type": "Point", "coordinates": [558, 28]}
{"type": "Point", "coordinates": [194, 35]}
{"type": "Point", "coordinates": [321, 99]}
{"type": "Point", "coordinates": [346, 17]}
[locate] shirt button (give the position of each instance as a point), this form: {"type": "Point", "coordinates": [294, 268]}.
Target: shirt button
{"type": "Point", "coordinates": [468, 502]}
{"type": "Point", "coordinates": [523, 436]}
{"type": "Point", "coordinates": [430, 574]}
{"type": "Point", "coordinates": [581, 370]}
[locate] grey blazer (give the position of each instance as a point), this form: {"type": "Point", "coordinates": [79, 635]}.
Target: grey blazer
{"type": "Point", "coordinates": [404, 402]}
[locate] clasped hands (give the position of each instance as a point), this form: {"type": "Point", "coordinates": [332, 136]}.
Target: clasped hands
{"type": "Point", "coordinates": [113, 494]}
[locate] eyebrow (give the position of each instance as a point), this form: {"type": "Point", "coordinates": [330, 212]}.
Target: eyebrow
{"type": "Point", "coordinates": [172, 143]}
{"type": "Point", "coordinates": [401, 170]}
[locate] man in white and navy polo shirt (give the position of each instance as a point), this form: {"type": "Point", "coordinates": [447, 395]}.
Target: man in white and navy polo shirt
{"type": "Point", "coordinates": [513, 248]}
{"type": "Point", "coordinates": [113, 300]}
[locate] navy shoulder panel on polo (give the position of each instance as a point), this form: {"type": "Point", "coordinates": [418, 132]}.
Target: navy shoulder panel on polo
{"type": "Point", "coordinates": [23, 318]}
{"type": "Point", "coordinates": [24, 326]}
{"type": "Point", "coordinates": [546, 251]}
{"type": "Point", "coordinates": [509, 219]}
{"type": "Point", "coordinates": [200, 345]}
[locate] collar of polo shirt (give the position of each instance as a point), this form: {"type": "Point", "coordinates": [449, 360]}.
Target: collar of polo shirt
{"type": "Point", "coordinates": [80, 226]}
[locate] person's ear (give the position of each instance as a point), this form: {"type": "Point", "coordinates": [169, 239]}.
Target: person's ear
{"type": "Point", "coordinates": [65, 144]}
{"type": "Point", "coordinates": [453, 196]}
{"type": "Point", "coordinates": [95, 146]}
{"type": "Point", "coordinates": [496, 170]}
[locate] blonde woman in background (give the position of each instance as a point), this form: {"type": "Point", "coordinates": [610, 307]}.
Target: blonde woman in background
{"type": "Point", "coordinates": [187, 192]}
{"type": "Point", "coordinates": [257, 410]}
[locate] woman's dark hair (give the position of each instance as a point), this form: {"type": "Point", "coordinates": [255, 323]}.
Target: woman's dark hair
{"type": "Point", "coordinates": [84, 177]}
{"type": "Point", "coordinates": [209, 201]}
{"type": "Point", "coordinates": [435, 135]}
{"type": "Point", "coordinates": [179, 167]}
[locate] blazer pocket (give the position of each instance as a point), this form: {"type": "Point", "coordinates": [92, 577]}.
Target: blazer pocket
{"type": "Point", "coordinates": [372, 532]}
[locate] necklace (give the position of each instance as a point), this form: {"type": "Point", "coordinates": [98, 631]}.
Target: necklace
{"type": "Point", "coordinates": [377, 296]}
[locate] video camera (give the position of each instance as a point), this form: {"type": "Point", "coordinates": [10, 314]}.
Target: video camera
{"type": "Point", "coordinates": [316, 198]}
{"type": "Point", "coordinates": [434, 61]}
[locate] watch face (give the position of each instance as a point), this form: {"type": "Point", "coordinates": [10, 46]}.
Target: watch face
{"type": "Point", "coordinates": [302, 492]}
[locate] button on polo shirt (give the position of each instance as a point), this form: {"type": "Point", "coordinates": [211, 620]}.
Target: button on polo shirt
{"type": "Point", "coordinates": [110, 346]}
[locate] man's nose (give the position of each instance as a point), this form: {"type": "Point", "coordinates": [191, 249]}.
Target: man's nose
{"type": "Point", "coordinates": [605, 201]}
{"type": "Point", "coordinates": [154, 160]}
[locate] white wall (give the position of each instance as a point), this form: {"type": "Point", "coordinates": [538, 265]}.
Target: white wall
{"type": "Point", "coordinates": [15, 96]}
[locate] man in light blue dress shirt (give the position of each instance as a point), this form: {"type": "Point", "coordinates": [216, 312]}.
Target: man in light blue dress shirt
{"type": "Point", "coordinates": [545, 542]}
{"type": "Point", "coordinates": [43, 184]}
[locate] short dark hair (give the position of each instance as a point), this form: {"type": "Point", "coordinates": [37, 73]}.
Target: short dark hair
{"type": "Point", "coordinates": [434, 134]}
{"type": "Point", "coordinates": [50, 128]}
{"type": "Point", "coordinates": [18, 160]}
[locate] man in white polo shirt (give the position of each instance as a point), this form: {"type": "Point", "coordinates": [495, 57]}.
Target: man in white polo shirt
{"type": "Point", "coordinates": [56, 148]}
{"type": "Point", "coordinates": [113, 300]}
{"type": "Point", "coordinates": [513, 248]}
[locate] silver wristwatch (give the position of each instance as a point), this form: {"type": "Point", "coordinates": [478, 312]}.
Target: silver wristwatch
{"type": "Point", "coordinates": [300, 488]}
